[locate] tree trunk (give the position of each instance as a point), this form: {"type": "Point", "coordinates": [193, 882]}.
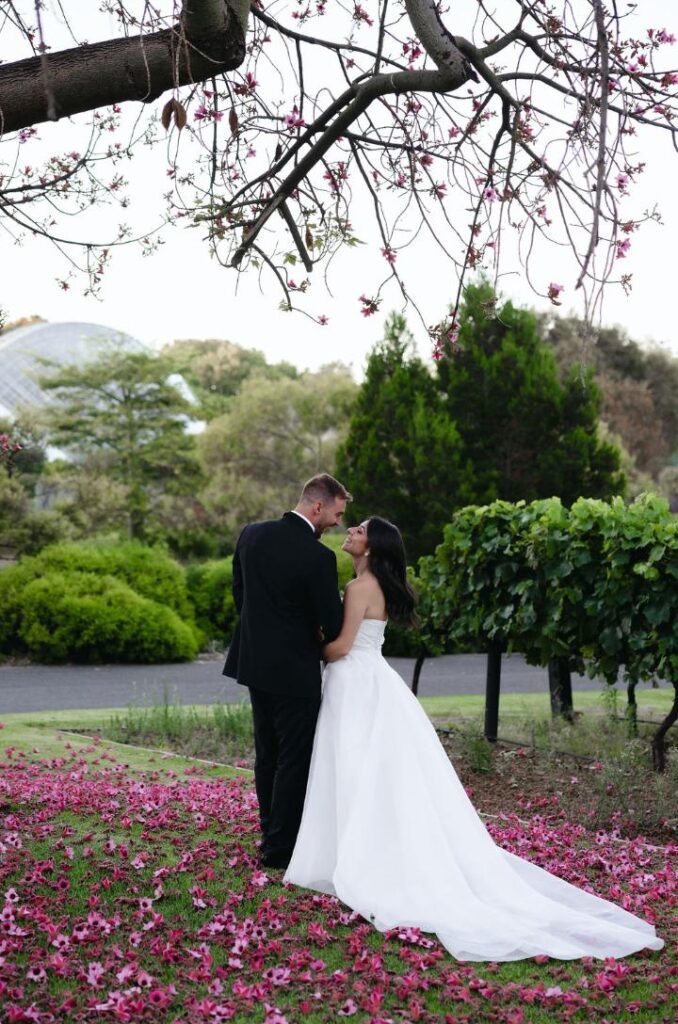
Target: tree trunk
{"type": "Point", "coordinates": [632, 709]}
{"type": "Point", "coordinates": [658, 746]}
{"type": "Point", "coordinates": [492, 685]}
{"type": "Point", "coordinates": [560, 688]}
{"type": "Point", "coordinates": [100, 74]}
{"type": "Point", "coordinates": [421, 658]}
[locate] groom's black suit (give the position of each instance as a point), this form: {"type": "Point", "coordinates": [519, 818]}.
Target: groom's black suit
{"type": "Point", "coordinates": [286, 592]}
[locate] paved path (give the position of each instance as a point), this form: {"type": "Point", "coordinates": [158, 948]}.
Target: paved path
{"type": "Point", "coordinates": [48, 688]}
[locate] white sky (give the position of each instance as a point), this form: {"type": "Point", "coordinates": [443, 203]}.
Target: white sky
{"type": "Point", "coordinates": [179, 292]}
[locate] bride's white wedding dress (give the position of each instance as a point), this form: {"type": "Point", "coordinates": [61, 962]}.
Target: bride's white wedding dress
{"type": "Point", "coordinates": [389, 830]}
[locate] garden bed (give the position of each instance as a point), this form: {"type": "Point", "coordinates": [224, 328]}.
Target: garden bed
{"type": "Point", "coordinates": [131, 892]}
{"type": "Point", "coordinates": [132, 897]}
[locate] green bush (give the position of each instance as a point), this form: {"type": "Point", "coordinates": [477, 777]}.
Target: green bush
{"type": "Point", "coordinates": [149, 571]}
{"type": "Point", "coordinates": [12, 581]}
{"type": "Point", "coordinates": [344, 561]}
{"type": "Point", "coordinates": [86, 617]}
{"type": "Point", "coordinates": [210, 591]}
{"type": "Point", "coordinates": [595, 583]}
{"type": "Point", "coordinates": [97, 601]}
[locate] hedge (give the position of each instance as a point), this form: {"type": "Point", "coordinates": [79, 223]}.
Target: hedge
{"type": "Point", "coordinates": [594, 587]}
{"type": "Point", "coordinates": [597, 583]}
{"type": "Point", "coordinates": [92, 601]}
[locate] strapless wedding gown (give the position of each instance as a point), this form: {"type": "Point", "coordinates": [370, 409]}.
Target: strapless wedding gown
{"type": "Point", "coordinates": [388, 829]}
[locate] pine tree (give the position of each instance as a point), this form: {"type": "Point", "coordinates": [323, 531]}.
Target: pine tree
{"type": "Point", "coordinates": [401, 458]}
{"type": "Point", "coordinates": [526, 434]}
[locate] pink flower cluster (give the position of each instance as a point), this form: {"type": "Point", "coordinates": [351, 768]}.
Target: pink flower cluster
{"type": "Point", "coordinates": [137, 897]}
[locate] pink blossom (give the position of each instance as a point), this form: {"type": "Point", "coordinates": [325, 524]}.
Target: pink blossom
{"type": "Point", "coordinates": [294, 119]}
{"type": "Point", "coordinates": [553, 293]}
{"type": "Point", "coordinates": [248, 85]}
{"type": "Point", "coordinates": [370, 306]}
{"type": "Point", "coordinates": [360, 14]}
{"type": "Point", "coordinates": [622, 248]}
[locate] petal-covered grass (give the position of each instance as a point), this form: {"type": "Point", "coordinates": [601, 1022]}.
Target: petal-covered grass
{"type": "Point", "coordinates": [129, 890]}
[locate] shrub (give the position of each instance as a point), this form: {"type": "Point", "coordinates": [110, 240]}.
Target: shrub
{"type": "Point", "coordinates": [149, 571]}
{"type": "Point", "coordinates": [87, 617]}
{"type": "Point", "coordinates": [12, 581]}
{"type": "Point", "coordinates": [97, 601]}
{"type": "Point", "coordinates": [210, 592]}
{"type": "Point", "coordinates": [344, 560]}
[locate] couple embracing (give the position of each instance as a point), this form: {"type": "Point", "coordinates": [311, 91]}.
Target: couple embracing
{"type": "Point", "coordinates": [357, 797]}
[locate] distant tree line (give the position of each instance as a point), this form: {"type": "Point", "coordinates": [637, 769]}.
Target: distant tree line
{"type": "Point", "coordinates": [494, 419]}
{"type": "Point", "coordinates": [525, 407]}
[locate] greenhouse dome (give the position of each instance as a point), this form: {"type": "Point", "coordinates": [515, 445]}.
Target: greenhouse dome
{"type": "Point", "coordinates": [23, 348]}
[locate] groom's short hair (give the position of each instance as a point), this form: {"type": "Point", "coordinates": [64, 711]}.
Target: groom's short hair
{"type": "Point", "coordinates": [323, 487]}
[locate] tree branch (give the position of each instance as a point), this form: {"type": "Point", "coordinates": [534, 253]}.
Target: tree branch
{"type": "Point", "coordinates": [363, 95]}
{"type": "Point", "coordinates": [210, 39]}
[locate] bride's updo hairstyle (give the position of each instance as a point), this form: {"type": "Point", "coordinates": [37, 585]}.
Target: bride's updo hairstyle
{"type": "Point", "coordinates": [388, 563]}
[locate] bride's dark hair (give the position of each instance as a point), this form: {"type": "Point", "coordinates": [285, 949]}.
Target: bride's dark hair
{"type": "Point", "coordinates": [388, 563]}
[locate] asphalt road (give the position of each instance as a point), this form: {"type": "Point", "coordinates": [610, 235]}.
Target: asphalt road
{"type": "Point", "coordinates": [48, 687]}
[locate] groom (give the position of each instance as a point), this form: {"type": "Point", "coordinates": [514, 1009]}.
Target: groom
{"type": "Point", "coordinates": [286, 593]}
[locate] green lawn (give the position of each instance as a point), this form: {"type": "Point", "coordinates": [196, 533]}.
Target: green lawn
{"type": "Point", "coordinates": [651, 704]}
{"type": "Point", "coordinates": [38, 735]}
{"type": "Point", "coordinates": [93, 808]}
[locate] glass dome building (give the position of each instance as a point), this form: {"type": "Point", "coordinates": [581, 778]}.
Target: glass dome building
{"type": "Point", "coordinates": [22, 348]}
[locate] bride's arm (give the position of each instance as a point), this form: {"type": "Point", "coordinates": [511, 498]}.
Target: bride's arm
{"type": "Point", "coordinates": [355, 606]}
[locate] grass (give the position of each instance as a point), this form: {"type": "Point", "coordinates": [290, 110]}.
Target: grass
{"type": "Point", "coordinates": [222, 731]}
{"type": "Point", "coordinates": [46, 734]}
{"type": "Point", "coordinates": [193, 823]}
{"type": "Point", "coordinates": [523, 706]}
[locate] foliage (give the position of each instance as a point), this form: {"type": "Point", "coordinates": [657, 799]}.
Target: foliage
{"type": "Point", "coordinates": [453, 126]}
{"type": "Point", "coordinates": [402, 458]}
{"type": "Point", "coordinates": [149, 571]}
{"type": "Point", "coordinates": [216, 370]}
{"type": "Point", "coordinates": [526, 434]}
{"type": "Point", "coordinates": [123, 415]}
{"type": "Point", "coordinates": [595, 584]}
{"type": "Point", "coordinates": [639, 384]}
{"type": "Point", "coordinates": [276, 434]}
{"type": "Point", "coordinates": [28, 456]}
{"type": "Point", "coordinates": [96, 602]}
{"type": "Point", "coordinates": [87, 617]}
{"type": "Point", "coordinates": [210, 591]}
{"type": "Point", "coordinates": [92, 503]}
{"type": "Point", "coordinates": [23, 528]}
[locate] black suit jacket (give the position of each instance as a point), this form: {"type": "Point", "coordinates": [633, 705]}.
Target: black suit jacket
{"type": "Point", "coordinates": [286, 590]}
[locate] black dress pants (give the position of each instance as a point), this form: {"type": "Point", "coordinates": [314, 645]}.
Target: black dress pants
{"type": "Point", "coordinates": [284, 728]}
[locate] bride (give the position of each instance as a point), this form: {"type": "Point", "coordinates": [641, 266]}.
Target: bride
{"type": "Point", "coordinates": [387, 826]}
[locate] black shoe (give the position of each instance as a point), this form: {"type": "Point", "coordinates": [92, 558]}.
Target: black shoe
{"type": "Point", "coordinates": [279, 862]}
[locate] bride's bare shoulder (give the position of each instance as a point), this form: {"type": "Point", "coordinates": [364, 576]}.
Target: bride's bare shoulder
{"type": "Point", "coordinates": [371, 595]}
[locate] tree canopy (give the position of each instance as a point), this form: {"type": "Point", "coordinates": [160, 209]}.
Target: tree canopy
{"type": "Point", "coordinates": [298, 129]}
{"type": "Point", "coordinates": [275, 434]}
{"type": "Point", "coordinates": [526, 434]}
{"type": "Point", "coordinates": [494, 422]}
{"type": "Point", "coordinates": [402, 456]}
{"type": "Point", "coordinates": [123, 414]}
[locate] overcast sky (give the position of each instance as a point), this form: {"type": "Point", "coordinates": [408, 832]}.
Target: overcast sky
{"type": "Point", "coordinates": [180, 292]}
